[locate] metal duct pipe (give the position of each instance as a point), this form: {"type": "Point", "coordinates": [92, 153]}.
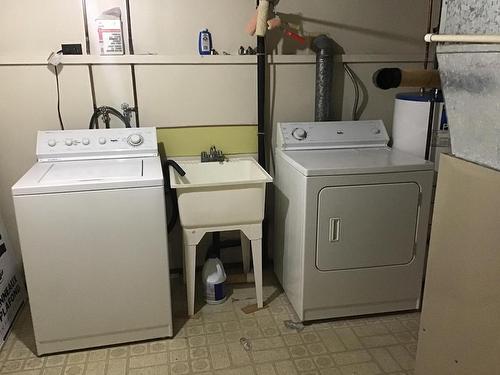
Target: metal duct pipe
{"type": "Point", "coordinates": [323, 46]}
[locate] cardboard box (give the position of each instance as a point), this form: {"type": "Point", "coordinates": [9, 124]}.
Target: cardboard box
{"type": "Point", "coordinates": [460, 321]}
{"type": "Point", "coordinates": [12, 288]}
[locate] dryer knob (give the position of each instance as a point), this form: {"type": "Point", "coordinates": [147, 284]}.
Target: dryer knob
{"type": "Point", "coordinates": [299, 134]}
{"type": "Point", "coordinates": [102, 140]}
{"type": "Point", "coordinates": [86, 141]}
{"type": "Point", "coordinates": [68, 141]}
{"type": "Point", "coordinates": [135, 140]}
{"type": "Point", "coordinates": [51, 142]}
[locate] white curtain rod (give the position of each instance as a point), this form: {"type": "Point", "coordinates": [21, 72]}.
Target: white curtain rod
{"type": "Point", "coordinates": [436, 38]}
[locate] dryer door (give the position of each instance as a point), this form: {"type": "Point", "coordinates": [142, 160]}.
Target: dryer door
{"type": "Point", "coordinates": [366, 226]}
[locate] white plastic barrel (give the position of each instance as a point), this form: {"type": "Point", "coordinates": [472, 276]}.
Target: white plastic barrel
{"type": "Point", "coordinates": [411, 121]}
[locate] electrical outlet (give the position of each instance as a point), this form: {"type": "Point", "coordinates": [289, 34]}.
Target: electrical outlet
{"type": "Point", "coordinates": [71, 49]}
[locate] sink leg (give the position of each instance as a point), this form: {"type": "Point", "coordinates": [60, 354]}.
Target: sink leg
{"type": "Point", "coordinates": [184, 266]}
{"type": "Point", "coordinates": [245, 252]}
{"type": "Point", "coordinates": [190, 260]}
{"type": "Point", "coordinates": [257, 270]}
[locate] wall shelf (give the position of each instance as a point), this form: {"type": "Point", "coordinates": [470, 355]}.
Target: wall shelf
{"type": "Point", "coordinates": [206, 60]}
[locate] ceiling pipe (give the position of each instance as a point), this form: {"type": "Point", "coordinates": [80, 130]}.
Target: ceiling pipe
{"type": "Point", "coordinates": [479, 39]}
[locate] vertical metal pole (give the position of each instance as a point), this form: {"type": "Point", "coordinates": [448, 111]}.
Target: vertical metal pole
{"type": "Point", "coordinates": [132, 66]}
{"type": "Point", "coordinates": [432, 107]}
{"type": "Point", "coordinates": [261, 98]}
{"type": "Point", "coordinates": [430, 7]}
{"type": "Point", "coordinates": [129, 28]}
{"type": "Point", "coordinates": [86, 26]}
{"type": "Point", "coordinates": [430, 124]}
{"type": "Point", "coordinates": [87, 49]}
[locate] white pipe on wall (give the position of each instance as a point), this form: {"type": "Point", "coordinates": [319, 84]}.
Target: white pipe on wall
{"type": "Point", "coordinates": [436, 38]}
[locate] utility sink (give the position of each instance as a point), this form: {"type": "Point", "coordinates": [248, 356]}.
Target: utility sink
{"type": "Point", "coordinates": [217, 194]}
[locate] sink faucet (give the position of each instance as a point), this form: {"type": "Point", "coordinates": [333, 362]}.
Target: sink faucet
{"type": "Point", "coordinates": [212, 155]}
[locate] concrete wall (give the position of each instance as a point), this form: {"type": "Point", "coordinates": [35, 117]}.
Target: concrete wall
{"type": "Point", "coordinates": [180, 89]}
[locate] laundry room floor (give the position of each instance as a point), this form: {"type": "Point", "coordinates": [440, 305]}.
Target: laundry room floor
{"type": "Point", "coordinates": [210, 343]}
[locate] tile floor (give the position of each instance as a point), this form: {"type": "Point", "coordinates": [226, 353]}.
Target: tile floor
{"type": "Point", "coordinates": [209, 343]}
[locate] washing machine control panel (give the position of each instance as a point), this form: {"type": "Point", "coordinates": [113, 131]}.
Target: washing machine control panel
{"type": "Point", "coordinates": [331, 135]}
{"type": "Point", "coordinates": [96, 143]}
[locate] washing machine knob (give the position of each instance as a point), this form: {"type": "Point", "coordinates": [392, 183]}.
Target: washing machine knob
{"type": "Point", "coordinates": [51, 142]}
{"type": "Point", "coordinates": [68, 141]}
{"type": "Point", "coordinates": [86, 141]}
{"type": "Point", "coordinates": [299, 134]}
{"type": "Point", "coordinates": [102, 140]}
{"type": "Point", "coordinates": [135, 140]}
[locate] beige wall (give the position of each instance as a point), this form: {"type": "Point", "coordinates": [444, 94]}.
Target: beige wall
{"type": "Point", "coordinates": [373, 34]}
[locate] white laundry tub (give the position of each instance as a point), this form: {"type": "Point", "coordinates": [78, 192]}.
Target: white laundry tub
{"type": "Point", "coordinates": [220, 194]}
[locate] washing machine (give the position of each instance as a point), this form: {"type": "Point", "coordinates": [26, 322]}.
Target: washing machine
{"type": "Point", "coordinates": [351, 220]}
{"type": "Point", "coordinates": [92, 229]}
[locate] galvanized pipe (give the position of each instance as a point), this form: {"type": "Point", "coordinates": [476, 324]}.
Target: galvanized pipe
{"type": "Point", "coordinates": [323, 46]}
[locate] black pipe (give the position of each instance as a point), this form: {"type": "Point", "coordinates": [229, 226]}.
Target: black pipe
{"type": "Point", "coordinates": [324, 47]}
{"type": "Point", "coordinates": [261, 98]}
{"type": "Point", "coordinates": [261, 113]}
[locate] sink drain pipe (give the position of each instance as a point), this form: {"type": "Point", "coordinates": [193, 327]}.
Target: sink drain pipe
{"type": "Point", "coordinates": [323, 47]}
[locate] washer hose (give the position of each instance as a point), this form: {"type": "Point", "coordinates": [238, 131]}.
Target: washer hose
{"type": "Point", "coordinates": [170, 193]}
{"type": "Point", "coordinates": [105, 111]}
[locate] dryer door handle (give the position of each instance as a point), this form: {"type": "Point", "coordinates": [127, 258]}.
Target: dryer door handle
{"type": "Point", "coordinates": [334, 232]}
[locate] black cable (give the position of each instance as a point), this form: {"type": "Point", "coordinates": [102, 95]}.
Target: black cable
{"type": "Point", "coordinates": [94, 123]}
{"type": "Point", "coordinates": [355, 84]}
{"type": "Point", "coordinates": [58, 99]}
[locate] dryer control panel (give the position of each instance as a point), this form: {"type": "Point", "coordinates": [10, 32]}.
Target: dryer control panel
{"type": "Point", "coordinates": [96, 144]}
{"type": "Point", "coordinates": [331, 135]}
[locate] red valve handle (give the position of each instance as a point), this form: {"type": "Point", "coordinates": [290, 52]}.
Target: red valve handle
{"type": "Point", "coordinates": [294, 36]}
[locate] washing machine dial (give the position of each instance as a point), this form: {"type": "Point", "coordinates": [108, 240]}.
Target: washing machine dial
{"type": "Point", "coordinates": [102, 140]}
{"type": "Point", "coordinates": [135, 140]}
{"type": "Point", "coordinates": [68, 142]}
{"type": "Point", "coordinates": [51, 142]}
{"type": "Point", "coordinates": [86, 141]}
{"type": "Point", "coordinates": [299, 134]}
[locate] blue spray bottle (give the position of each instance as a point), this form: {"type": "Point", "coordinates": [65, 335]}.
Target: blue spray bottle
{"type": "Point", "coordinates": [205, 42]}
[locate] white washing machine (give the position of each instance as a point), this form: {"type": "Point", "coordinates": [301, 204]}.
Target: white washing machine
{"type": "Point", "coordinates": [92, 228]}
{"type": "Point", "coordinates": [351, 220]}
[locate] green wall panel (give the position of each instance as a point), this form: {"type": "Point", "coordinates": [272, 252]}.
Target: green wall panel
{"type": "Point", "coordinates": [190, 141]}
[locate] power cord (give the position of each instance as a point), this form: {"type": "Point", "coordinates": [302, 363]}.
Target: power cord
{"type": "Point", "coordinates": [54, 59]}
{"type": "Point", "coordinates": [58, 99]}
{"type": "Point", "coordinates": [355, 84]}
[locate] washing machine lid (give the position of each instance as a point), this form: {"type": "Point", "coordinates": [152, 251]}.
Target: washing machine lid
{"type": "Point", "coordinates": [353, 161]}
{"type": "Point", "coordinates": [86, 175]}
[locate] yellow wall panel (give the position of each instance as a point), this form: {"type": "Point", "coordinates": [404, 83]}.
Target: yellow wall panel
{"type": "Point", "coordinates": [190, 141]}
